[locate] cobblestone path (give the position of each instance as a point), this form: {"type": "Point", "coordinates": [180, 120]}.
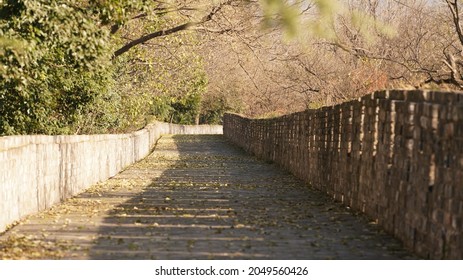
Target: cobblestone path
{"type": "Point", "coordinates": [198, 197]}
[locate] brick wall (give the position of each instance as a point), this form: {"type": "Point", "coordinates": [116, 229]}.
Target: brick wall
{"type": "Point", "coordinates": [395, 155]}
{"type": "Point", "coordinates": [37, 171]}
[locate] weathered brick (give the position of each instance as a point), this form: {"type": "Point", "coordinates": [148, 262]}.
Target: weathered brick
{"type": "Point", "coordinates": [417, 136]}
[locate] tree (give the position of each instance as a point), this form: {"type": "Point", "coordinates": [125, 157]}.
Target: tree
{"type": "Point", "coordinates": [57, 74]}
{"type": "Point", "coordinates": [49, 75]}
{"type": "Point", "coordinates": [453, 51]}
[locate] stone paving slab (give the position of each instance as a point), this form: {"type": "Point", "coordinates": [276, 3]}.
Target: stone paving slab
{"type": "Point", "coordinates": [198, 197]}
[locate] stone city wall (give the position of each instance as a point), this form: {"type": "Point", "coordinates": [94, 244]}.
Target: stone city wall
{"type": "Point", "coordinates": [395, 155]}
{"type": "Point", "coordinates": [37, 171]}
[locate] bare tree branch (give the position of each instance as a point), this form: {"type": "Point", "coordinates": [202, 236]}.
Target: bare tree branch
{"type": "Point", "coordinates": [453, 6]}
{"type": "Point", "coordinates": [172, 30]}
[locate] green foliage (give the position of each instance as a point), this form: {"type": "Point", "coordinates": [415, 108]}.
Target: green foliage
{"type": "Point", "coordinates": [213, 111]}
{"type": "Point", "coordinates": [56, 66]}
{"type": "Point", "coordinates": [117, 11]}
{"type": "Point", "coordinates": [184, 108]}
{"type": "Point", "coordinates": [164, 77]}
{"type": "Point", "coordinates": [162, 108]}
{"type": "Point", "coordinates": [188, 106]}
{"type": "Point", "coordinates": [57, 75]}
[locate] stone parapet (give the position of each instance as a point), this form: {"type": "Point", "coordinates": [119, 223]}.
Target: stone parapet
{"type": "Point", "coordinates": [37, 171]}
{"type": "Point", "coordinates": [395, 155]}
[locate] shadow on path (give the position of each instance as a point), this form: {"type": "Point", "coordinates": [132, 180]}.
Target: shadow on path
{"type": "Point", "coordinates": [198, 197]}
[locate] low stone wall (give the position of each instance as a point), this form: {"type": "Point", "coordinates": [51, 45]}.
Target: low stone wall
{"type": "Point", "coordinates": [37, 171]}
{"type": "Point", "coordinates": [395, 155]}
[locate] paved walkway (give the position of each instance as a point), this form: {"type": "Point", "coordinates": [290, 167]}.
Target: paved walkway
{"type": "Point", "coordinates": [198, 197]}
